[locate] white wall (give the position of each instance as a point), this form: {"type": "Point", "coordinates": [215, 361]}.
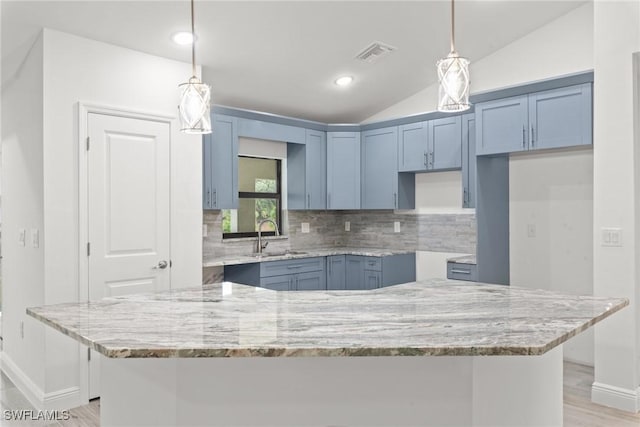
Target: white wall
{"type": "Point", "coordinates": [553, 193]}
{"type": "Point", "coordinates": [23, 181]}
{"type": "Point", "coordinates": [616, 183]}
{"type": "Point", "coordinates": [72, 70]}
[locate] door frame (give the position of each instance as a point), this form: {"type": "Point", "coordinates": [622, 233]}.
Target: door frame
{"type": "Point", "coordinates": [84, 109]}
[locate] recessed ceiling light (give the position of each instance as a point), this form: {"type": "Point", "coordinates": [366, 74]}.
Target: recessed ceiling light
{"type": "Point", "coordinates": [344, 81]}
{"type": "Point", "coordinates": [182, 38]}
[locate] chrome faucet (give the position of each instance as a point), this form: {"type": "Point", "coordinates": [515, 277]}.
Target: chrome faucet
{"type": "Point", "coordinates": [261, 246]}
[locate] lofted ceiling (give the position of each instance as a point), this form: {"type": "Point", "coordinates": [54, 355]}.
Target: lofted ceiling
{"type": "Point", "coordinates": [283, 57]}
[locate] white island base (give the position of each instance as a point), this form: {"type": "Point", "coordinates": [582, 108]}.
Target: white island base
{"type": "Point", "coordinates": [334, 391]}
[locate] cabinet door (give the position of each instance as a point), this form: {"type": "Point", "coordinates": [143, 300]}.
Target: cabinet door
{"type": "Point", "coordinates": [412, 147]}
{"type": "Point", "coordinates": [278, 283]}
{"type": "Point", "coordinates": [316, 169]}
{"type": "Point", "coordinates": [313, 281]}
{"type": "Point", "coordinates": [354, 272]}
{"type": "Point", "coordinates": [336, 272]}
{"type": "Point", "coordinates": [224, 163]}
{"type": "Point", "coordinates": [445, 143]}
{"type": "Point", "coordinates": [343, 170]}
{"type": "Point", "coordinates": [372, 279]}
{"type": "Point", "coordinates": [207, 180]}
{"type": "Point", "coordinates": [468, 161]}
{"type": "Point", "coordinates": [379, 169]}
{"type": "Point", "coordinates": [560, 117]}
{"type": "Point", "coordinates": [501, 126]}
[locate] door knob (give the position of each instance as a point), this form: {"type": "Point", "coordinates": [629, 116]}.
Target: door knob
{"type": "Point", "coordinates": [161, 265]}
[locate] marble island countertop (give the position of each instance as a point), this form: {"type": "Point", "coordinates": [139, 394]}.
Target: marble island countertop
{"type": "Point", "coordinates": [425, 318]}
{"type": "Point", "coordinates": [302, 253]}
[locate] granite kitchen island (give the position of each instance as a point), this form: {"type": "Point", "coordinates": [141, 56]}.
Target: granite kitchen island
{"type": "Point", "coordinates": [230, 354]}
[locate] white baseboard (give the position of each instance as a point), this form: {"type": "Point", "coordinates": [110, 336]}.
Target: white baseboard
{"type": "Point", "coordinates": [56, 400]}
{"type": "Point", "coordinates": [616, 397]}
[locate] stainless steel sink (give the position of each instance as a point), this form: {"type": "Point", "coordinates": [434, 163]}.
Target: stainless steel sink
{"type": "Point", "coordinates": [274, 254]}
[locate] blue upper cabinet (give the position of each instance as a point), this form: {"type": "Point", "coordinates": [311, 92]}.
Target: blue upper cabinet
{"type": "Point", "coordinates": [272, 131]}
{"type": "Point", "coordinates": [220, 164]}
{"type": "Point", "coordinates": [431, 145]}
{"type": "Point", "coordinates": [343, 170]}
{"type": "Point", "coordinates": [501, 126]}
{"type": "Point", "coordinates": [560, 117]}
{"type": "Point", "coordinates": [380, 169]}
{"type": "Point", "coordinates": [307, 172]}
{"type": "Point", "coordinates": [549, 119]}
{"type": "Point", "coordinates": [413, 147]}
{"type": "Point", "coordinates": [316, 178]}
{"type": "Point", "coordinates": [445, 143]}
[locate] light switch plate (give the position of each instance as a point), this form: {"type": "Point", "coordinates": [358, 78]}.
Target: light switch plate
{"type": "Point", "coordinates": [22, 237]}
{"type": "Point", "coordinates": [305, 227]}
{"type": "Point", "coordinates": [35, 238]}
{"type": "Point", "coordinates": [205, 230]}
{"type": "Point", "coordinates": [347, 226]}
{"type": "Point", "coordinates": [612, 237]}
{"type": "Point", "coordinates": [396, 226]}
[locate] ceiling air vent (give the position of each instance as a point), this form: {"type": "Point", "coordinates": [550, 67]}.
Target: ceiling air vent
{"type": "Point", "coordinates": [374, 51]}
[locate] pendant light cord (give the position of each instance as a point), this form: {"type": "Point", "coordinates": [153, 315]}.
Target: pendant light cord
{"type": "Point", "coordinates": [193, 43]}
{"type": "Point", "coordinates": [453, 46]}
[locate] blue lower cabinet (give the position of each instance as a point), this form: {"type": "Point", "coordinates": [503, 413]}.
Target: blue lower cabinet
{"type": "Point", "coordinates": [336, 279]}
{"type": "Point", "coordinates": [460, 271]}
{"type": "Point", "coordinates": [277, 283]}
{"type": "Point", "coordinates": [354, 272]}
{"type": "Point", "coordinates": [366, 272]}
{"type": "Point", "coordinates": [372, 279]}
{"type": "Point", "coordinates": [313, 281]}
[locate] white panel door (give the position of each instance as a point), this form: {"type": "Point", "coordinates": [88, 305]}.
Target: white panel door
{"type": "Point", "coordinates": [128, 210]}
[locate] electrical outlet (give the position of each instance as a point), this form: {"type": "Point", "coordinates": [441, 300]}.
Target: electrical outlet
{"type": "Point", "coordinates": [35, 238]}
{"type": "Point", "coordinates": [22, 236]}
{"type": "Point", "coordinates": [305, 227]}
{"type": "Point", "coordinates": [347, 226]}
{"type": "Point", "coordinates": [531, 230]}
{"type": "Point", "coordinates": [396, 226]}
{"type": "Point", "coordinates": [612, 237]}
{"type": "Point", "coordinates": [204, 230]}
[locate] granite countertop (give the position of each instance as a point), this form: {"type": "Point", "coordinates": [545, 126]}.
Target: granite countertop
{"type": "Point", "coordinates": [430, 317]}
{"type": "Point", "coordinates": [306, 253]}
{"type": "Point", "coordinates": [465, 259]}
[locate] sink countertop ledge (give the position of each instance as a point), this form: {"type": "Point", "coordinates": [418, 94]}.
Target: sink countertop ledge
{"type": "Point", "coordinates": [304, 253]}
{"type": "Point", "coordinates": [426, 318]}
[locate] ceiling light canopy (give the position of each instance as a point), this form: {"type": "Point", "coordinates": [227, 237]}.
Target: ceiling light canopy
{"type": "Point", "coordinates": [344, 80]}
{"type": "Point", "coordinates": [195, 97]}
{"type": "Point", "coordinates": [183, 38]}
{"type": "Point", "coordinates": [453, 75]}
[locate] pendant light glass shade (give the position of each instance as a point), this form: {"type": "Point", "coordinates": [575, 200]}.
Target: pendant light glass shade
{"type": "Point", "coordinates": [453, 75]}
{"type": "Point", "coordinates": [195, 101]}
{"type": "Point", "coordinates": [195, 96]}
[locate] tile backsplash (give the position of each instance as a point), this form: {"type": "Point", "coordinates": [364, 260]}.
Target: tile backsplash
{"type": "Point", "coordinates": [436, 232]}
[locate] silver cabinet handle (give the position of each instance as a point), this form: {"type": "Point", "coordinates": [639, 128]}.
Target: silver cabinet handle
{"type": "Point", "coordinates": [395, 200]}
{"type": "Point", "coordinates": [464, 197]}
{"type": "Point", "coordinates": [293, 267]}
{"type": "Point", "coordinates": [161, 265]}
{"type": "Point", "coordinates": [523, 136]}
{"type": "Point", "coordinates": [431, 159]}
{"type": "Point", "coordinates": [460, 271]}
{"type": "Point", "coordinates": [208, 197]}
{"type": "Point", "coordinates": [425, 160]}
{"type": "Point", "coordinates": [533, 140]}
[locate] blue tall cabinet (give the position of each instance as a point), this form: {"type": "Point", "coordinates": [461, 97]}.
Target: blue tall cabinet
{"type": "Point", "coordinates": [220, 158]}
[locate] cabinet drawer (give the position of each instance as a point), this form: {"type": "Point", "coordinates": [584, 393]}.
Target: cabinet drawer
{"type": "Point", "coordinates": [291, 266]}
{"type": "Point", "coordinates": [373, 263]}
{"type": "Point", "coordinates": [458, 271]}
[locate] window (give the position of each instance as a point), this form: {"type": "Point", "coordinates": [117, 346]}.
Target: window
{"type": "Point", "coordinates": [259, 199]}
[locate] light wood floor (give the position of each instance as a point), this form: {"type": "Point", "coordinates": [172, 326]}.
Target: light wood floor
{"type": "Point", "coordinates": [579, 411]}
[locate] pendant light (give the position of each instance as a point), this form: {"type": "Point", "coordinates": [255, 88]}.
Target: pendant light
{"type": "Point", "coordinates": [195, 97]}
{"type": "Point", "coordinates": [453, 74]}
